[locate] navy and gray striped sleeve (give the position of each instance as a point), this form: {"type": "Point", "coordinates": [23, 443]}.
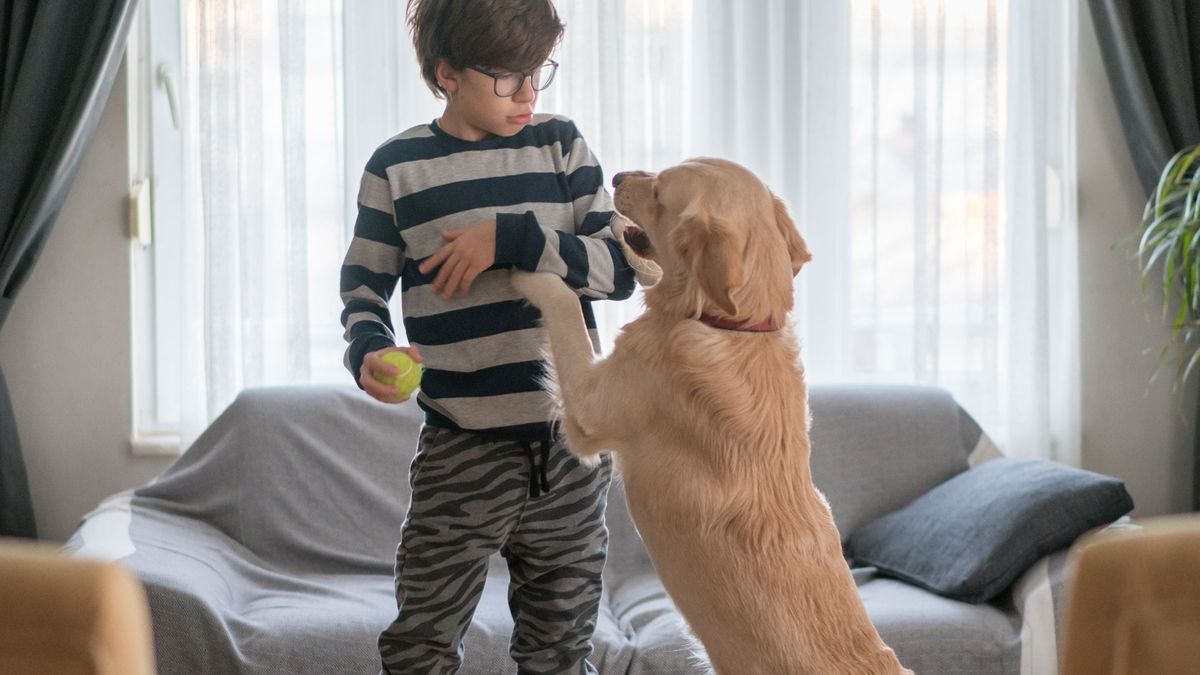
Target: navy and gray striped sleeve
{"type": "Point", "coordinates": [370, 270]}
{"type": "Point", "coordinates": [590, 260]}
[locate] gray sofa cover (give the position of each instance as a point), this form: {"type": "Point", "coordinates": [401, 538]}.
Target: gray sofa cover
{"type": "Point", "coordinates": [268, 546]}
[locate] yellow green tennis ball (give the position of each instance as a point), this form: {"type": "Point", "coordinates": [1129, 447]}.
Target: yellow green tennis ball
{"type": "Point", "coordinates": [409, 377]}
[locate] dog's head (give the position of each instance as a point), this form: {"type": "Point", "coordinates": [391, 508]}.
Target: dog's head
{"type": "Point", "coordinates": [724, 241]}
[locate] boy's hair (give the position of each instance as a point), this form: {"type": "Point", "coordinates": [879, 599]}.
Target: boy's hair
{"type": "Point", "coordinates": [504, 34]}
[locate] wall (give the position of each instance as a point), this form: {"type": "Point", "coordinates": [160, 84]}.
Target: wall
{"type": "Point", "coordinates": [1137, 431]}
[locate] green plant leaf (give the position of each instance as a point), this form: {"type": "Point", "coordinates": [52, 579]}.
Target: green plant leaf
{"type": "Point", "coordinates": [1191, 363]}
{"type": "Point", "coordinates": [1159, 229]}
{"type": "Point", "coordinates": [1180, 317]}
{"type": "Point", "coordinates": [1169, 234]}
{"type": "Point", "coordinates": [1167, 243]}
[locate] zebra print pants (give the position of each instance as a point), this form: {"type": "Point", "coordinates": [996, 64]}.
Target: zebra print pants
{"type": "Point", "coordinates": [541, 508]}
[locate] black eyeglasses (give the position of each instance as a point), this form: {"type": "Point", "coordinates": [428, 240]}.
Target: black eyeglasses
{"type": "Point", "coordinates": [507, 83]}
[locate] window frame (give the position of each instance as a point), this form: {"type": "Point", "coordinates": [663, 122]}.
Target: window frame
{"type": "Point", "coordinates": [154, 59]}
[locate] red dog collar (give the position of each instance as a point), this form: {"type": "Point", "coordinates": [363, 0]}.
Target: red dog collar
{"type": "Point", "coordinates": [730, 324]}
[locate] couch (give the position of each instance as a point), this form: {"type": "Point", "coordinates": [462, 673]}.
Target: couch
{"type": "Point", "coordinates": [268, 546]}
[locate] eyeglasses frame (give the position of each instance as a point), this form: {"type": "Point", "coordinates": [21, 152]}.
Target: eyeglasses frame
{"type": "Point", "coordinates": [496, 75]}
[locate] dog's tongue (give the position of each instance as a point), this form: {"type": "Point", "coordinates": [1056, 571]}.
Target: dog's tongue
{"type": "Point", "coordinates": [637, 239]}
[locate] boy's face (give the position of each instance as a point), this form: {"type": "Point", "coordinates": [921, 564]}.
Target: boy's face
{"type": "Point", "coordinates": [475, 110]}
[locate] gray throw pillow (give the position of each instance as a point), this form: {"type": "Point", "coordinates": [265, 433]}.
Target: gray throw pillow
{"type": "Point", "coordinates": [972, 536]}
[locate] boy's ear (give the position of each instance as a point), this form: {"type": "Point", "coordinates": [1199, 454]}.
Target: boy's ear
{"type": "Point", "coordinates": [447, 75]}
{"type": "Point", "coordinates": [708, 246]}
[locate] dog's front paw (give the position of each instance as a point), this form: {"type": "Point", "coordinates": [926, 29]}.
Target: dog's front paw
{"type": "Point", "coordinates": [590, 461]}
{"type": "Point", "coordinates": [542, 289]}
{"type": "Point", "coordinates": [646, 271]}
{"type": "Point", "coordinates": [581, 444]}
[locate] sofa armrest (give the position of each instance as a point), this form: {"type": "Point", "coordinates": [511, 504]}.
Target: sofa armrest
{"type": "Point", "coordinates": [1039, 596]}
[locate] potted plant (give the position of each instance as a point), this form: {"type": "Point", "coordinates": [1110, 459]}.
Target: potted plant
{"type": "Point", "coordinates": [1170, 233]}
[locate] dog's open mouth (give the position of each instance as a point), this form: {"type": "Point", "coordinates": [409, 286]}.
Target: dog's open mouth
{"type": "Point", "coordinates": [637, 239]}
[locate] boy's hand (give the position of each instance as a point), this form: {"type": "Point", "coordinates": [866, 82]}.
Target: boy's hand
{"type": "Point", "coordinates": [374, 363]}
{"type": "Point", "coordinates": [471, 250]}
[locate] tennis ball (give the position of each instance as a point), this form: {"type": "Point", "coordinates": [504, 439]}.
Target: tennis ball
{"type": "Point", "coordinates": [410, 373]}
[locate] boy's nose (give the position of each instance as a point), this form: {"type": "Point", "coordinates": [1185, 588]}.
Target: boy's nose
{"type": "Point", "coordinates": [526, 92]}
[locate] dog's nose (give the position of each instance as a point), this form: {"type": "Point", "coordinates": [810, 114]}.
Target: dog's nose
{"type": "Point", "coordinates": [620, 176]}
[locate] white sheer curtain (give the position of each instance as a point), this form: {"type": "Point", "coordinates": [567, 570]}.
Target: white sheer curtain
{"type": "Point", "coordinates": [925, 147]}
{"type": "Point", "coordinates": [264, 228]}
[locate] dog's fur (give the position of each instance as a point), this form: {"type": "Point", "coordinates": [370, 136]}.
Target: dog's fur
{"type": "Point", "coordinates": [710, 426]}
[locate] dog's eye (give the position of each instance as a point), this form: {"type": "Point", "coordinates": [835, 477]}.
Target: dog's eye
{"type": "Point", "coordinates": [654, 192]}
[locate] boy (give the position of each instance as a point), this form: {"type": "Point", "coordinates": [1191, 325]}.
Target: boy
{"type": "Point", "coordinates": [448, 208]}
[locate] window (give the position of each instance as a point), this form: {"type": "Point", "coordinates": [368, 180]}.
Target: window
{"type": "Point", "coordinates": [925, 148]}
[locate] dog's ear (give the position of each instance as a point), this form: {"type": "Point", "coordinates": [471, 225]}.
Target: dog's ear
{"type": "Point", "coordinates": [796, 247]}
{"type": "Point", "coordinates": [708, 246]}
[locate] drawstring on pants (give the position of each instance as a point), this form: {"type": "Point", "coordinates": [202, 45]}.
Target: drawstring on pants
{"type": "Point", "coordinates": [538, 481]}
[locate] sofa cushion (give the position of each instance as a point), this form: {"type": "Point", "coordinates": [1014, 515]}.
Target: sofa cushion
{"type": "Point", "coordinates": [933, 634]}
{"type": "Point", "coordinates": [876, 448]}
{"type": "Point", "coordinates": [971, 536]}
{"type": "Point", "coordinates": [647, 618]}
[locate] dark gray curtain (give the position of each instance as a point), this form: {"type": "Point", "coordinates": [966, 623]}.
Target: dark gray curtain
{"type": "Point", "coordinates": [58, 59]}
{"type": "Point", "coordinates": [1151, 52]}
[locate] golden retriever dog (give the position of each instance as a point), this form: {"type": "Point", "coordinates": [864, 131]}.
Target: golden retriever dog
{"type": "Point", "coordinates": [704, 405]}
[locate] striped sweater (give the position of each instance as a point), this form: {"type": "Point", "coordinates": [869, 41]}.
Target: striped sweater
{"type": "Point", "coordinates": [482, 351]}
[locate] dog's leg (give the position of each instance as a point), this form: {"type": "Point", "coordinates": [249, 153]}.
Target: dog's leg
{"type": "Point", "coordinates": [574, 360]}
{"type": "Point", "coordinates": [570, 346]}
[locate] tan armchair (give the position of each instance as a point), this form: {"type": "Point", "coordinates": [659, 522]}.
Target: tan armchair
{"type": "Point", "coordinates": [70, 616]}
{"type": "Point", "coordinates": [1134, 601]}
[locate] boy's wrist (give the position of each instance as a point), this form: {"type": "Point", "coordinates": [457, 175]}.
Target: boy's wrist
{"type": "Point", "coordinates": [358, 353]}
{"type": "Point", "coordinates": [512, 237]}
